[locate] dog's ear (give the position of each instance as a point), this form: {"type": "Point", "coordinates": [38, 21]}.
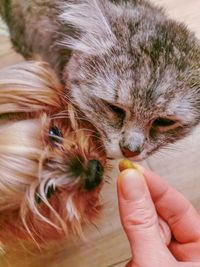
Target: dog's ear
{"type": "Point", "coordinates": [91, 31]}
{"type": "Point", "coordinates": [29, 87]}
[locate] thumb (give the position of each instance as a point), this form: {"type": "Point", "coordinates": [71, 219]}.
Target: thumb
{"type": "Point", "coordinates": [138, 214]}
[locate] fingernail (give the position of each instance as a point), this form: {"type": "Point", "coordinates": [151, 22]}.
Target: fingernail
{"type": "Point", "coordinates": [131, 184]}
{"type": "Point", "coordinates": [162, 236]}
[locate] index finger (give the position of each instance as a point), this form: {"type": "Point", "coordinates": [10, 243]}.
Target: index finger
{"type": "Point", "coordinates": [182, 218]}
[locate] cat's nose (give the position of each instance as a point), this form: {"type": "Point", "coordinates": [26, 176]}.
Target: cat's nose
{"type": "Point", "coordinates": [129, 153]}
{"type": "Point", "coordinates": [93, 174]}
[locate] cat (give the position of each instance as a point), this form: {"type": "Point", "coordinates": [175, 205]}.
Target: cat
{"type": "Point", "coordinates": [133, 72]}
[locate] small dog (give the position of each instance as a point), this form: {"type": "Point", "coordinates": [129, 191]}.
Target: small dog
{"type": "Point", "coordinates": [52, 160]}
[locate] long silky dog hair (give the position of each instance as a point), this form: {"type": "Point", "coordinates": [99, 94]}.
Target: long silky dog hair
{"type": "Point", "coordinates": [52, 160]}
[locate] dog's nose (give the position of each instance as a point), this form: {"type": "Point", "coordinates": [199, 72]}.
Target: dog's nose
{"type": "Point", "coordinates": [93, 175]}
{"type": "Point", "coordinates": [129, 153]}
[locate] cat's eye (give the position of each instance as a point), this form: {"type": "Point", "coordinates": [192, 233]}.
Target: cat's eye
{"type": "Point", "coordinates": [55, 135]}
{"type": "Point", "coordinates": [118, 111]}
{"type": "Point", "coordinates": [163, 123]}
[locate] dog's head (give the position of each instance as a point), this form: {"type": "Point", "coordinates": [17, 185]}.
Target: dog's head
{"type": "Point", "coordinates": [52, 161]}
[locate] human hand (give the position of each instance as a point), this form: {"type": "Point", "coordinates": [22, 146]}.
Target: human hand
{"type": "Point", "coordinates": [162, 226]}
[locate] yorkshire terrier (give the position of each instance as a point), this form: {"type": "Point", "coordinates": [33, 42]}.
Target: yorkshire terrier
{"type": "Point", "coordinates": [52, 161]}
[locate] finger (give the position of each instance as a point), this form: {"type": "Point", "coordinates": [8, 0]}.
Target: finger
{"type": "Point", "coordinates": [165, 231]}
{"type": "Point", "coordinates": [174, 209]}
{"type": "Point", "coordinates": [189, 264]}
{"type": "Point", "coordinates": [186, 252]}
{"type": "Point", "coordinates": [129, 264]}
{"type": "Point", "coordinates": [138, 215]}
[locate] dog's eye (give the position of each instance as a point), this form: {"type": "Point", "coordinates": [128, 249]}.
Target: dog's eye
{"type": "Point", "coordinates": [118, 111]}
{"type": "Point", "coordinates": [55, 135]}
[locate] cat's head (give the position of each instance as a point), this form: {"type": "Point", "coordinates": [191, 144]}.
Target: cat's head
{"type": "Point", "coordinates": [134, 73]}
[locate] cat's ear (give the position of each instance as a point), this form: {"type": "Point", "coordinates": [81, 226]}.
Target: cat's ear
{"type": "Point", "coordinates": [91, 31]}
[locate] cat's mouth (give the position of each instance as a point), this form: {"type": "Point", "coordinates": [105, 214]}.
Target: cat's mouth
{"type": "Point", "coordinates": [137, 158]}
{"type": "Point", "coordinates": [115, 152]}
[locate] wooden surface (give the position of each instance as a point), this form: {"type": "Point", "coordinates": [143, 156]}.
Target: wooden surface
{"type": "Point", "coordinates": [106, 245]}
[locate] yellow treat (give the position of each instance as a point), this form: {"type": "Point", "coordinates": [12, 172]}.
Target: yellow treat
{"type": "Point", "coordinates": [126, 164]}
